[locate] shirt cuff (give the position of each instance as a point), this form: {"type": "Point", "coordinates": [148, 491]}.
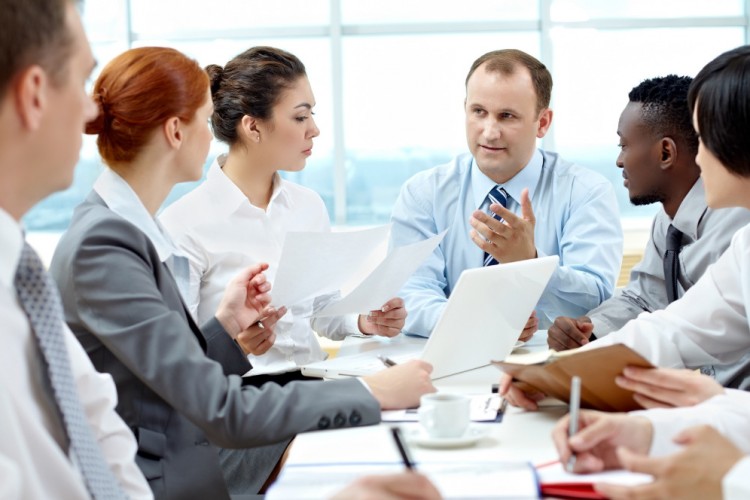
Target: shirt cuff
{"type": "Point", "coordinates": [665, 427]}
{"type": "Point", "coordinates": [351, 323]}
{"type": "Point", "coordinates": [735, 485]}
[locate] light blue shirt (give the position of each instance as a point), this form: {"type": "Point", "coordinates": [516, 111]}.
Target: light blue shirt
{"type": "Point", "coordinates": [576, 218]}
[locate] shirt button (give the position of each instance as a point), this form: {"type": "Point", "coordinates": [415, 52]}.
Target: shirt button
{"type": "Point", "coordinates": [324, 423]}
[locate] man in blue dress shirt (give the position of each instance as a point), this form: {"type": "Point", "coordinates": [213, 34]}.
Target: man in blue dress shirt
{"type": "Point", "coordinates": [553, 206]}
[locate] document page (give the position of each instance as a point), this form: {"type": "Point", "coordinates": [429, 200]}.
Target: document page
{"type": "Point", "coordinates": [385, 280]}
{"type": "Point", "coordinates": [463, 479]}
{"type": "Point", "coordinates": [316, 263]}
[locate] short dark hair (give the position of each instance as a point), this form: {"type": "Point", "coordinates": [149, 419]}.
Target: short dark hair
{"type": "Point", "coordinates": [665, 109]}
{"type": "Point", "coordinates": [506, 61]}
{"type": "Point", "coordinates": [250, 84]}
{"type": "Point", "coordinates": [34, 32]}
{"type": "Point", "coordinates": [721, 94]}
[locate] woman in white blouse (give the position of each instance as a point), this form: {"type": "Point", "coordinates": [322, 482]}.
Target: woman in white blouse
{"type": "Point", "coordinates": [711, 323]}
{"type": "Point", "coordinates": [263, 109]}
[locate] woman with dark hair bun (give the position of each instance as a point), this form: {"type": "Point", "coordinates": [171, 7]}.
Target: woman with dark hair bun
{"type": "Point", "coordinates": [122, 281]}
{"type": "Point", "coordinates": [263, 109]}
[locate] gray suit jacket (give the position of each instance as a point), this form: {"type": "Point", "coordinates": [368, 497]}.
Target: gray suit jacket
{"type": "Point", "coordinates": [124, 306]}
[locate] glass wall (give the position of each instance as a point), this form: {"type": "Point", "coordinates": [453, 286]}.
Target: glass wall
{"type": "Point", "coordinates": [388, 76]}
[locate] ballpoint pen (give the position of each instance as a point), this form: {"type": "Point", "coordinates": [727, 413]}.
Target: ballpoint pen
{"type": "Point", "coordinates": [403, 451]}
{"type": "Point", "coordinates": [575, 405]}
{"type": "Point", "coordinates": [387, 361]}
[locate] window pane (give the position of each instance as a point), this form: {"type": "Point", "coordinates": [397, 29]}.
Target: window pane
{"type": "Point", "coordinates": [594, 70]}
{"type": "Point", "coordinates": [403, 109]}
{"type": "Point", "coordinates": [105, 21]}
{"type": "Point", "coordinates": [169, 16]}
{"type": "Point", "coordinates": [426, 11]}
{"type": "Point", "coordinates": [584, 10]}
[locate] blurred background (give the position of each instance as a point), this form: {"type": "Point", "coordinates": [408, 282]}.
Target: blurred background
{"type": "Point", "coordinates": [388, 77]}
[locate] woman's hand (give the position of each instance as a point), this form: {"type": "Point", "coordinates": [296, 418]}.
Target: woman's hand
{"type": "Point", "coordinates": [388, 321]}
{"type": "Point", "coordinates": [259, 337]}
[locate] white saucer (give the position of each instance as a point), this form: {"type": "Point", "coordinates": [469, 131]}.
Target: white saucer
{"type": "Point", "coordinates": [472, 436]}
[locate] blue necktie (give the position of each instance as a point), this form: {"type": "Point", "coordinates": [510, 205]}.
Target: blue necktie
{"type": "Point", "coordinates": [500, 196]}
{"type": "Point", "coordinates": [39, 298]}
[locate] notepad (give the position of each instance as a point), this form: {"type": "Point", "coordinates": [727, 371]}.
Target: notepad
{"type": "Point", "coordinates": [464, 479]}
{"type": "Point", "coordinates": [551, 372]}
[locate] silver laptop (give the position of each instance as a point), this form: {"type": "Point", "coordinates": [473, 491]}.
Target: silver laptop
{"type": "Point", "coordinates": [482, 320]}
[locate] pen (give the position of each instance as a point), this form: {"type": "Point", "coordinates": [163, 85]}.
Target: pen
{"type": "Point", "coordinates": [387, 361]}
{"type": "Point", "coordinates": [575, 404]}
{"type": "Point", "coordinates": [408, 462]}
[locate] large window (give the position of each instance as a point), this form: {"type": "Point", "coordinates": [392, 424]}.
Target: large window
{"type": "Point", "coordinates": [388, 76]}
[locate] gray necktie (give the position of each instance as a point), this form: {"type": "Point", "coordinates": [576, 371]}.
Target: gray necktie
{"type": "Point", "coordinates": [672, 262]}
{"type": "Point", "coordinates": [500, 196]}
{"type": "Point", "coordinates": [39, 299]}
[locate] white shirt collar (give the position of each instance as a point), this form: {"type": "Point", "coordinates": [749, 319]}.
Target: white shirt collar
{"type": "Point", "coordinates": [11, 244]}
{"type": "Point", "coordinates": [122, 200]}
{"type": "Point", "coordinates": [230, 197]}
{"type": "Point", "coordinates": [527, 177]}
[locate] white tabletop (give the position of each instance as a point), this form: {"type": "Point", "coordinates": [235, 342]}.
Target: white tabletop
{"type": "Point", "coordinates": [520, 436]}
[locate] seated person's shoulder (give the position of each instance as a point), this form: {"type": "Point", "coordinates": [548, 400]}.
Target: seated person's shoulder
{"type": "Point", "coordinates": [580, 178]}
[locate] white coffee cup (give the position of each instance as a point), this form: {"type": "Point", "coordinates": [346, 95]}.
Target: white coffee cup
{"type": "Point", "coordinates": [444, 415]}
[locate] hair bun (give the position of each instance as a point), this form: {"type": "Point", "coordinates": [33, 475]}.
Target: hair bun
{"type": "Point", "coordinates": [215, 74]}
{"type": "Point", "coordinates": [96, 126]}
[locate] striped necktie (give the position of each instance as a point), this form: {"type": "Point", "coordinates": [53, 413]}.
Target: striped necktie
{"type": "Point", "coordinates": [500, 196]}
{"type": "Point", "coordinates": [39, 299]}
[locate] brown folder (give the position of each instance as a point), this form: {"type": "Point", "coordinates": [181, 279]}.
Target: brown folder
{"type": "Point", "coordinates": [597, 369]}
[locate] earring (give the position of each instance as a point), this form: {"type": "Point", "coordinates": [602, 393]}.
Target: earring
{"type": "Point", "coordinates": [257, 136]}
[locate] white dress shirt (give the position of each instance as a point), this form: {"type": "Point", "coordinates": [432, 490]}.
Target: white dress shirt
{"type": "Point", "coordinates": [729, 413]}
{"type": "Point", "coordinates": [221, 232]}
{"type": "Point", "coordinates": [33, 463]}
{"type": "Point", "coordinates": [122, 200]}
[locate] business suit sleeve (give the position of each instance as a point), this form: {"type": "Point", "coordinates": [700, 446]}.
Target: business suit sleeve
{"type": "Point", "coordinates": [120, 299]}
{"type": "Point", "coordinates": [224, 350]}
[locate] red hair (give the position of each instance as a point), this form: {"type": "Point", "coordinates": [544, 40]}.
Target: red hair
{"type": "Point", "coordinates": [137, 92]}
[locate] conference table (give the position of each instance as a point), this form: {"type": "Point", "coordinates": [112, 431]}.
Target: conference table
{"type": "Point", "coordinates": [520, 436]}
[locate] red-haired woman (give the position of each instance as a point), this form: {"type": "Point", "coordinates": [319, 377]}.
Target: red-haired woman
{"type": "Point", "coordinates": [179, 386]}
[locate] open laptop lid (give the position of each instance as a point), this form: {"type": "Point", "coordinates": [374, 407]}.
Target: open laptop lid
{"type": "Point", "coordinates": [482, 320]}
{"type": "Point", "coordinates": [485, 314]}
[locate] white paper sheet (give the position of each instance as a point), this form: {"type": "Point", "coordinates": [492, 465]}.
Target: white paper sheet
{"type": "Point", "coordinates": [316, 263]}
{"type": "Point", "coordinates": [454, 480]}
{"type": "Point", "coordinates": [555, 473]}
{"type": "Point", "coordinates": [384, 281]}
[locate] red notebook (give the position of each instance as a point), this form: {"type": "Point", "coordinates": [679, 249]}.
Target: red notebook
{"type": "Point", "coordinates": [554, 481]}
